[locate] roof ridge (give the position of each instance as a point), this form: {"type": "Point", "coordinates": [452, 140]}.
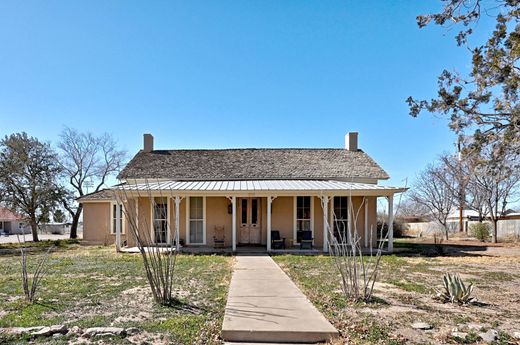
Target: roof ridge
{"type": "Point", "coordinates": [257, 149]}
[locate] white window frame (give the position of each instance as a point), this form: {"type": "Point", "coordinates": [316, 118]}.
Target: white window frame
{"type": "Point", "coordinates": [349, 200]}
{"type": "Point", "coordinates": [203, 221]}
{"type": "Point", "coordinates": [112, 215]}
{"type": "Point", "coordinates": [295, 219]}
{"type": "Point", "coordinates": [152, 230]}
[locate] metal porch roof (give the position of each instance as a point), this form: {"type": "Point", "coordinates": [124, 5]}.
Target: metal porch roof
{"type": "Point", "coordinates": [261, 186]}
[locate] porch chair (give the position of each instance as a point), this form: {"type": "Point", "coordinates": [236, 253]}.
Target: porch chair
{"type": "Point", "coordinates": [276, 241]}
{"type": "Point", "coordinates": [306, 240]}
{"type": "Point", "coordinates": [218, 237]}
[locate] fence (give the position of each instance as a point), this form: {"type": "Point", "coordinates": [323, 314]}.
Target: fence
{"type": "Point", "coordinates": [507, 229]}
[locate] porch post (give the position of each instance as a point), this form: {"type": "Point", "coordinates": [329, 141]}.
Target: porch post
{"type": "Point", "coordinates": [177, 215]}
{"type": "Point", "coordinates": [269, 205]}
{"type": "Point", "coordinates": [234, 222]}
{"type": "Point", "coordinates": [366, 222]}
{"type": "Point", "coordinates": [325, 206]}
{"type": "Point", "coordinates": [390, 199]}
{"type": "Point", "coordinates": [118, 226]}
{"type": "Point", "coordinates": [350, 213]}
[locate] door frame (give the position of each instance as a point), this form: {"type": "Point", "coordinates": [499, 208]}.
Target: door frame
{"type": "Point", "coordinates": [249, 216]}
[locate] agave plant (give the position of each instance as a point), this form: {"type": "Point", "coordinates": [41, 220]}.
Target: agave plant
{"type": "Point", "coordinates": [455, 291]}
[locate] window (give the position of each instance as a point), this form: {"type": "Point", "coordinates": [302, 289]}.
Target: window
{"type": "Point", "coordinates": [244, 211]}
{"type": "Point", "coordinates": [160, 220]}
{"type": "Point", "coordinates": [303, 215]}
{"type": "Point", "coordinates": [1, 226]}
{"type": "Point", "coordinates": [340, 221]}
{"type": "Point", "coordinates": [114, 217]}
{"type": "Point", "coordinates": [196, 220]}
{"type": "Point", "coordinates": [254, 211]}
{"type": "Point", "coordinates": [21, 225]}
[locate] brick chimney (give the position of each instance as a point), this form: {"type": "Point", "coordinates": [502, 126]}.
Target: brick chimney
{"type": "Point", "coordinates": [351, 141]}
{"type": "Point", "coordinates": [148, 142]}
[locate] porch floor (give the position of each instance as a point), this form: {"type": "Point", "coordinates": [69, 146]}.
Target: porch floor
{"type": "Point", "coordinates": [264, 305]}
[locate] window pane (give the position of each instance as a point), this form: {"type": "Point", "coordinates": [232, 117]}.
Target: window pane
{"type": "Point", "coordinates": [244, 211]}
{"type": "Point", "coordinates": [196, 231]}
{"type": "Point", "coordinates": [196, 208]}
{"type": "Point", "coordinates": [341, 207]}
{"type": "Point", "coordinates": [254, 211]}
{"type": "Point", "coordinates": [160, 208]}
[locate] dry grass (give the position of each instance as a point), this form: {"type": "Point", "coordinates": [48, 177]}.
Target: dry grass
{"type": "Point", "coordinates": [405, 295]}
{"type": "Point", "coordinates": [94, 286]}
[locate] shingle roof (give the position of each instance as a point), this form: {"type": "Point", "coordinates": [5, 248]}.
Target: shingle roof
{"type": "Point", "coordinates": [251, 164]}
{"type": "Point", "coordinates": [104, 194]}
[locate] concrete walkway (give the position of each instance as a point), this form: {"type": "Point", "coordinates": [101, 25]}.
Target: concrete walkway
{"type": "Point", "coordinates": [264, 305]}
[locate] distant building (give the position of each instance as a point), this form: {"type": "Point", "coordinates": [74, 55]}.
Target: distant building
{"type": "Point", "coordinates": [12, 223]}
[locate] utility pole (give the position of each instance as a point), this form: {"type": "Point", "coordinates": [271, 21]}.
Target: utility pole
{"type": "Point", "coordinates": [461, 186]}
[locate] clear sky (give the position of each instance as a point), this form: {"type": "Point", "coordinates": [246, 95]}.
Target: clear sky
{"type": "Point", "coordinates": [220, 74]}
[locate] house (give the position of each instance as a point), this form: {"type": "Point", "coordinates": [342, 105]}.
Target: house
{"type": "Point", "coordinates": [240, 197]}
{"type": "Point", "coordinates": [12, 223]}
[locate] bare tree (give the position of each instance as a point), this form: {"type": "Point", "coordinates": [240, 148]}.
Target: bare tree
{"type": "Point", "coordinates": [496, 180]}
{"type": "Point", "coordinates": [86, 158]}
{"type": "Point", "coordinates": [410, 208]}
{"type": "Point", "coordinates": [28, 178]}
{"type": "Point", "coordinates": [433, 189]}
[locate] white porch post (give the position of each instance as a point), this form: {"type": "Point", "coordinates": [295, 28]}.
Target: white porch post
{"type": "Point", "coordinates": [390, 222]}
{"type": "Point", "coordinates": [234, 222]}
{"type": "Point", "coordinates": [269, 205]}
{"type": "Point", "coordinates": [177, 215]}
{"type": "Point", "coordinates": [325, 205]}
{"type": "Point", "coordinates": [350, 213]}
{"type": "Point", "coordinates": [366, 222]}
{"type": "Point", "coordinates": [118, 226]}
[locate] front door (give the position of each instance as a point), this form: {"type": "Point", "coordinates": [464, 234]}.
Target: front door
{"type": "Point", "coordinates": [250, 221]}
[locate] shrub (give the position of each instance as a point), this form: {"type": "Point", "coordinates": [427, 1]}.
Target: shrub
{"type": "Point", "coordinates": [480, 231]}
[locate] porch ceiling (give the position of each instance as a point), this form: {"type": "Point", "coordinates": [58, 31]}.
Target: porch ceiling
{"type": "Point", "coordinates": [263, 187]}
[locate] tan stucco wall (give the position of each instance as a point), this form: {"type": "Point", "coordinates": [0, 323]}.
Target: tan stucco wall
{"type": "Point", "coordinates": [282, 217]}
{"type": "Point", "coordinates": [217, 215]}
{"type": "Point", "coordinates": [96, 223]}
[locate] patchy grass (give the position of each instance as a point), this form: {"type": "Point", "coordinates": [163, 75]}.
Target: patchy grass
{"type": "Point", "coordinates": [59, 244]}
{"type": "Point", "coordinates": [404, 295]}
{"type": "Point", "coordinates": [94, 286]}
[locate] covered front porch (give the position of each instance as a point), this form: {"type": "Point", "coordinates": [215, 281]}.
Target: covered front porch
{"type": "Point", "coordinates": [248, 216]}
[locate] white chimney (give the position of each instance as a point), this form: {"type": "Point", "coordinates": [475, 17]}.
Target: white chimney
{"type": "Point", "coordinates": [351, 141]}
{"type": "Point", "coordinates": [148, 143]}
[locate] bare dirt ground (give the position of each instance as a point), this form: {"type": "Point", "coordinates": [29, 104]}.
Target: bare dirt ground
{"type": "Point", "coordinates": [405, 295]}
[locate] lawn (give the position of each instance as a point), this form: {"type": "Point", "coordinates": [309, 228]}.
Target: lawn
{"type": "Point", "coordinates": [96, 287]}
{"type": "Point", "coordinates": [404, 295]}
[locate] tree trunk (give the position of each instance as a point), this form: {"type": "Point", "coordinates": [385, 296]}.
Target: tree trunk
{"type": "Point", "coordinates": [447, 230]}
{"type": "Point", "coordinates": [495, 230]}
{"type": "Point", "coordinates": [34, 231]}
{"type": "Point", "coordinates": [75, 222]}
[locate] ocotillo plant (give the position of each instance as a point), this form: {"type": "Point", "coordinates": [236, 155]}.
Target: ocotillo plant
{"type": "Point", "coordinates": [159, 259]}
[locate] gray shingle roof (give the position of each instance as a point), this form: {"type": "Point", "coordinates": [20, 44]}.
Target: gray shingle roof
{"type": "Point", "coordinates": [104, 194]}
{"type": "Point", "coordinates": [252, 164]}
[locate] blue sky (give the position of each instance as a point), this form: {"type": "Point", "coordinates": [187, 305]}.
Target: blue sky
{"type": "Point", "coordinates": [218, 74]}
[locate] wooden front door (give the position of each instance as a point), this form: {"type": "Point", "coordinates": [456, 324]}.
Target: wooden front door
{"type": "Point", "coordinates": [250, 230]}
